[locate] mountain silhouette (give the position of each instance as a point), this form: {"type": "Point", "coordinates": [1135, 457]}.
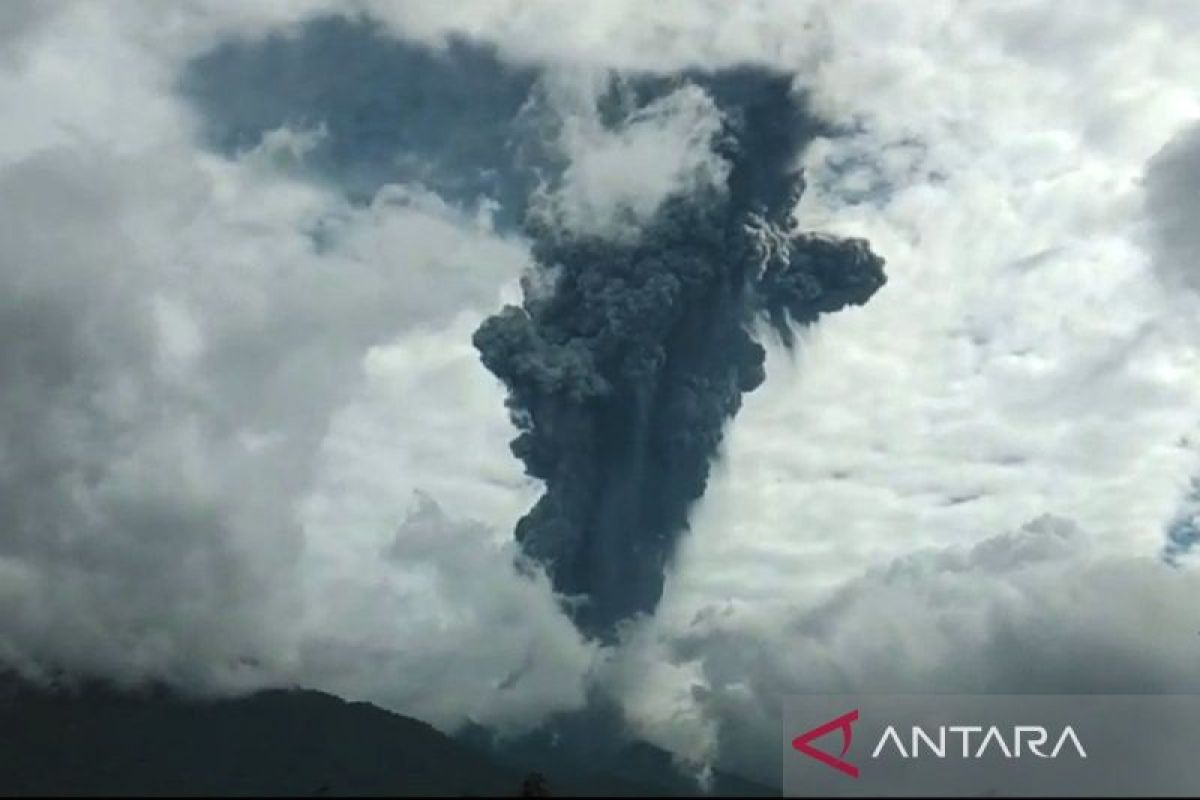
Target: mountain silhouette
{"type": "Point", "coordinates": [91, 738]}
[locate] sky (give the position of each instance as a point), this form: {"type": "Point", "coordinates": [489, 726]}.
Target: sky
{"type": "Point", "coordinates": [245, 439]}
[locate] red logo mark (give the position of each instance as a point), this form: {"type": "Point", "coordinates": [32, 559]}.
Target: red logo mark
{"type": "Point", "coordinates": [843, 723]}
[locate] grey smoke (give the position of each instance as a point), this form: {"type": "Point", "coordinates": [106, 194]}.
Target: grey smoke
{"type": "Point", "coordinates": [631, 348]}
{"type": "Point", "coordinates": [623, 375]}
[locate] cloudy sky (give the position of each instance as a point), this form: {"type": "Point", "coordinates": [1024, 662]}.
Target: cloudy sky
{"type": "Point", "coordinates": [245, 439]}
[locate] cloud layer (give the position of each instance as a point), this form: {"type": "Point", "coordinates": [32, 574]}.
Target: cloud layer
{"type": "Point", "coordinates": [226, 371]}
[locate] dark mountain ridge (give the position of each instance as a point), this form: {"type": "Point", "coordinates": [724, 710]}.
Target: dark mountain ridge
{"type": "Point", "coordinates": [90, 738]}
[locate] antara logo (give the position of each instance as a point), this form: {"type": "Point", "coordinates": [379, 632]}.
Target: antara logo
{"type": "Point", "coordinates": [1033, 737]}
{"type": "Point", "coordinates": [1020, 741]}
{"type": "Point", "coordinates": [843, 723]}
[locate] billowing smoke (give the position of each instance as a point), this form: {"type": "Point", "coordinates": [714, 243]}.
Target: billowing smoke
{"type": "Point", "coordinates": [630, 351]}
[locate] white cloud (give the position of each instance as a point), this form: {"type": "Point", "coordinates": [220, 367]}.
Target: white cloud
{"type": "Point", "coordinates": [1032, 610]}
{"type": "Point", "coordinates": [616, 178]}
{"type": "Point", "coordinates": [182, 332]}
{"type": "Point", "coordinates": [1023, 360]}
{"type": "Point", "coordinates": [624, 34]}
{"type": "Point", "coordinates": [222, 383]}
{"type": "Point", "coordinates": [1018, 362]}
{"type": "Point", "coordinates": [412, 605]}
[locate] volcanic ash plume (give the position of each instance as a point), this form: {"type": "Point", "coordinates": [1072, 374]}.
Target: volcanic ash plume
{"type": "Point", "coordinates": [630, 352]}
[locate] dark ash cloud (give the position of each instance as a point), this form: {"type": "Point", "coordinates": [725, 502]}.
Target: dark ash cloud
{"type": "Point", "coordinates": [630, 354]}
{"type": "Point", "coordinates": [632, 347]}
